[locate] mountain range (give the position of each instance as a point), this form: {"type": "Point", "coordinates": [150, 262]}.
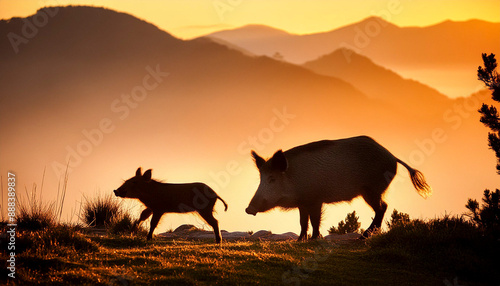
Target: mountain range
{"type": "Point", "coordinates": [441, 55]}
{"type": "Point", "coordinates": [446, 43]}
{"type": "Point", "coordinates": [380, 83]}
{"type": "Point", "coordinates": [108, 92]}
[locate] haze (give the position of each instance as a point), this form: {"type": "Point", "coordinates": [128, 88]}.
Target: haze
{"type": "Point", "coordinates": [105, 92]}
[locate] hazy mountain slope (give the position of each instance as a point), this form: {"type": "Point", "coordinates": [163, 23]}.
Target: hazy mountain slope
{"type": "Point", "coordinates": [113, 50]}
{"type": "Point", "coordinates": [455, 43]}
{"type": "Point", "coordinates": [443, 56]}
{"type": "Point", "coordinates": [380, 83]}
{"type": "Point", "coordinates": [87, 64]}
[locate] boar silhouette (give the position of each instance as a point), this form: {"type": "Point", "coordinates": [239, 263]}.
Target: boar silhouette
{"type": "Point", "coordinates": [329, 171]}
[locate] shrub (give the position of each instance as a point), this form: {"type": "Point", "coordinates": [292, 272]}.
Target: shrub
{"type": "Point", "coordinates": [125, 224]}
{"type": "Point", "coordinates": [486, 217]}
{"type": "Point", "coordinates": [398, 218]}
{"type": "Point", "coordinates": [33, 214]}
{"type": "Point", "coordinates": [350, 224]}
{"type": "Point", "coordinates": [449, 244]}
{"type": "Point", "coordinates": [59, 239]}
{"type": "Point", "coordinates": [101, 211]}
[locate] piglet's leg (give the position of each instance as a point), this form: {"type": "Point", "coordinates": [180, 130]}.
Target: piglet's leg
{"type": "Point", "coordinates": [209, 218]}
{"type": "Point", "coordinates": [144, 216]}
{"type": "Point", "coordinates": [154, 223]}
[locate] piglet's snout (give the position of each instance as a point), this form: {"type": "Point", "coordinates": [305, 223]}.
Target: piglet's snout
{"type": "Point", "coordinates": [251, 210]}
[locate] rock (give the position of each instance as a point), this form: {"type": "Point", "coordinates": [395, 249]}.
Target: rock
{"type": "Point", "coordinates": [261, 234]}
{"type": "Point", "coordinates": [284, 236]}
{"type": "Point", "coordinates": [235, 235]}
{"type": "Point", "coordinates": [168, 235]}
{"type": "Point", "coordinates": [185, 228]}
{"type": "Point", "coordinates": [188, 231]}
{"type": "Point", "coordinates": [201, 234]}
{"type": "Point", "coordinates": [347, 236]}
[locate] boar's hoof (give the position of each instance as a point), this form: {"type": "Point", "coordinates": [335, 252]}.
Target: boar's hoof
{"type": "Point", "coordinates": [366, 234]}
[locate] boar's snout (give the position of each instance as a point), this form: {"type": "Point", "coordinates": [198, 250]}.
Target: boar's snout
{"type": "Point", "coordinates": [251, 210]}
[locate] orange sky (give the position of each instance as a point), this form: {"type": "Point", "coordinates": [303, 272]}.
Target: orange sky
{"type": "Point", "coordinates": [188, 19]}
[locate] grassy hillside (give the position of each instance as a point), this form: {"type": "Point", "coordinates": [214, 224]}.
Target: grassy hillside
{"type": "Point", "coordinates": [68, 255]}
{"type": "Point", "coordinates": [125, 261]}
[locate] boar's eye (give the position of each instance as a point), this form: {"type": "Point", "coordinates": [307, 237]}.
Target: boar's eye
{"type": "Point", "coordinates": [271, 180]}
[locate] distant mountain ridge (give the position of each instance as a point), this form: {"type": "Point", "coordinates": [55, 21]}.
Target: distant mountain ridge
{"type": "Point", "coordinates": [79, 69]}
{"type": "Point", "coordinates": [377, 39]}
{"type": "Point", "coordinates": [378, 82]}
{"type": "Point", "coordinates": [441, 55]}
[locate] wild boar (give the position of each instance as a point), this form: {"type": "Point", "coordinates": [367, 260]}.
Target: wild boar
{"type": "Point", "coordinates": [329, 171]}
{"type": "Point", "coordinates": [160, 198]}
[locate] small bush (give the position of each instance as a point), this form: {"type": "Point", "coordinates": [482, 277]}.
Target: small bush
{"type": "Point", "coordinates": [33, 214]}
{"type": "Point", "coordinates": [486, 217]}
{"type": "Point", "coordinates": [398, 218]}
{"type": "Point", "coordinates": [350, 225]}
{"type": "Point", "coordinates": [35, 217]}
{"type": "Point", "coordinates": [125, 224]}
{"type": "Point", "coordinates": [418, 234]}
{"type": "Point", "coordinates": [101, 211]}
{"type": "Point", "coordinates": [449, 244]}
{"type": "Point", "coordinates": [59, 239]}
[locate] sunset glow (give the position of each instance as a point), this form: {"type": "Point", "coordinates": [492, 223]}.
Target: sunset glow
{"type": "Point", "coordinates": [189, 19]}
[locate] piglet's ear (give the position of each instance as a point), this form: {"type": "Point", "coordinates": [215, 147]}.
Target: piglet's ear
{"type": "Point", "coordinates": [147, 175]}
{"type": "Point", "coordinates": [259, 161]}
{"type": "Point", "coordinates": [138, 173]}
{"type": "Point", "coordinates": [279, 162]}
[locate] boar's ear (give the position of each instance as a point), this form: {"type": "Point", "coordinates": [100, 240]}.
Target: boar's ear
{"type": "Point", "coordinates": [279, 162]}
{"type": "Point", "coordinates": [147, 175]}
{"type": "Point", "coordinates": [259, 161]}
{"type": "Point", "coordinates": [138, 173]}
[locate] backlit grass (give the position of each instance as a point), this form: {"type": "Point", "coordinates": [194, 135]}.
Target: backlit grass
{"type": "Point", "coordinates": [131, 260]}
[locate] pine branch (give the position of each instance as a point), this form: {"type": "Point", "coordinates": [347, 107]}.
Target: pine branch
{"type": "Point", "coordinates": [489, 75]}
{"type": "Point", "coordinates": [490, 117]}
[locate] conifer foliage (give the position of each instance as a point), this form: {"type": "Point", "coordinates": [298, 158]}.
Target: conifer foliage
{"type": "Point", "coordinates": [489, 113]}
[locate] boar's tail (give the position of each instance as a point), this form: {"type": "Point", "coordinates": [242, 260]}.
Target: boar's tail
{"type": "Point", "coordinates": [225, 205]}
{"type": "Point", "coordinates": [418, 180]}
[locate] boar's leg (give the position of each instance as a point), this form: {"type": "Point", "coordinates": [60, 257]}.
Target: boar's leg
{"type": "Point", "coordinates": [209, 218]}
{"type": "Point", "coordinates": [304, 223]}
{"type": "Point", "coordinates": [315, 216]}
{"type": "Point", "coordinates": [154, 223]}
{"type": "Point", "coordinates": [379, 206]}
{"type": "Point", "coordinates": [379, 215]}
{"type": "Point", "coordinates": [144, 216]}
